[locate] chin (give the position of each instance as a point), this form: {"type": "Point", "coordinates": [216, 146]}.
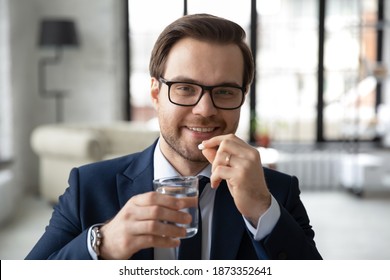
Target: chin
{"type": "Point", "coordinates": [191, 155]}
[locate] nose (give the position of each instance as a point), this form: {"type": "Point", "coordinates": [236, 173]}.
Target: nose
{"type": "Point", "coordinates": [205, 106]}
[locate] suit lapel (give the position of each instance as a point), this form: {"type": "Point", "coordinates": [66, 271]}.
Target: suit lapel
{"type": "Point", "coordinates": [228, 226]}
{"type": "Point", "coordinates": [137, 179]}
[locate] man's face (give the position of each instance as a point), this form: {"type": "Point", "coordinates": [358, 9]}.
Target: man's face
{"type": "Point", "coordinates": [184, 128]}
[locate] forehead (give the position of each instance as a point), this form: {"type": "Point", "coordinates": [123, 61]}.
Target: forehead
{"type": "Point", "coordinates": [206, 62]}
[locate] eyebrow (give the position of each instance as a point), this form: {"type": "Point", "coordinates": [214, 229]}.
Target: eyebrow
{"type": "Point", "coordinates": [189, 80]}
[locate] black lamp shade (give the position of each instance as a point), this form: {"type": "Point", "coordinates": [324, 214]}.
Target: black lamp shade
{"type": "Point", "coordinates": [58, 32]}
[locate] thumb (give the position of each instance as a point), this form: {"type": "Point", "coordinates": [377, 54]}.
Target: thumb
{"type": "Point", "coordinates": [209, 154]}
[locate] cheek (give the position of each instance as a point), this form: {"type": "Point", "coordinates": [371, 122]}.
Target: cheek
{"type": "Point", "coordinates": [162, 105]}
{"type": "Point", "coordinates": [232, 119]}
{"type": "Point", "coordinates": [169, 114]}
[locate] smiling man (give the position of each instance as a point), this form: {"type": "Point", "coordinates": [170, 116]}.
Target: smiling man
{"type": "Point", "coordinates": [201, 70]}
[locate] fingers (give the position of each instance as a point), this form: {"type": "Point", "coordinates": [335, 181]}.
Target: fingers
{"type": "Point", "coordinates": [156, 241]}
{"type": "Point", "coordinates": [221, 150]}
{"type": "Point", "coordinates": [240, 165]}
{"type": "Point", "coordinates": [147, 220]}
{"type": "Point", "coordinates": [123, 240]}
{"type": "Point", "coordinates": [155, 206]}
{"type": "Point", "coordinates": [227, 153]}
{"type": "Point", "coordinates": [159, 228]}
{"type": "Point", "coordinates": [154, 198]}
{"type": "Point", "coordinates": [210, 153]}
{"type": "Point", "coordinates": [156, 216]}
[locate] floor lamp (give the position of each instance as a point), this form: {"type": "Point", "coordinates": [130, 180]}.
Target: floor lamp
{"type": "Point", "coordinates": [55, 34]}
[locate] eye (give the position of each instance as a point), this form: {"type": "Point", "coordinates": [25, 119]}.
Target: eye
{"type": "Point", "coordinates": [184, 89]}
{"type": "Point", "coordinates": [225, 92]}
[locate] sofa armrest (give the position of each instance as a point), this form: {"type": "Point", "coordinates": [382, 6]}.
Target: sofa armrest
{"type": "Point", "coordinates": [67, 142]}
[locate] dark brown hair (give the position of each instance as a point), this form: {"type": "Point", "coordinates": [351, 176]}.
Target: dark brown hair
{"type": "Point", "coordinates": [202, 27]}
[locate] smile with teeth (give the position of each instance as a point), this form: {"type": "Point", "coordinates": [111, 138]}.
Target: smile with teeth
{"type": "Point", "coordinates": [202, 129]}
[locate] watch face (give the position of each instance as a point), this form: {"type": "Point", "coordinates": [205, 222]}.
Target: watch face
{"type": "Point", "coordinates": [96, 237]}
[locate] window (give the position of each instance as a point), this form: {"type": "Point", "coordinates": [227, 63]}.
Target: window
{"type": "Point", "coordinates": [287, 70]}
{"type": "Point", "coordinates": [350, 65]}
{"type": "Point", "coordinates": [287, 65]}
{"type": "Point", "coordinates": [288, 107]}
{"type": "Point", "coordinates": [147, 19]}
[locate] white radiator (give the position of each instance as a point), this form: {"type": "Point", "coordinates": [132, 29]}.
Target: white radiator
{"type": "Point", "coordinates": [316, 170]}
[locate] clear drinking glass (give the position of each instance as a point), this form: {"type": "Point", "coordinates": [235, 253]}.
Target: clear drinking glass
{"type": "Point", "coordinates": [184, 187]}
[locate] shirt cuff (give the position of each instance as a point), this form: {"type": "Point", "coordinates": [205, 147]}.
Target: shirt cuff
{"type": "Point", "coordinates": [92, 252]}
{"type": "Point", "coordinates": [266, 222]}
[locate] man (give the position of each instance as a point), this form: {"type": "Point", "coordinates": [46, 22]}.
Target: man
{"type": "Point", "coordinates": [200, 70]}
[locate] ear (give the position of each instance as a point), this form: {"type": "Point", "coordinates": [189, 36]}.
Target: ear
{"type": "Point", "coordinates": [154, 92]}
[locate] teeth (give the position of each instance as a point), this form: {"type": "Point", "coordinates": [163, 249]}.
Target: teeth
{"type": "Point", "coordinates": [201, 129]}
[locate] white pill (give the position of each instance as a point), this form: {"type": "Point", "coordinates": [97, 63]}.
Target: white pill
{"type": "Point", "coordinates": [200, 146]}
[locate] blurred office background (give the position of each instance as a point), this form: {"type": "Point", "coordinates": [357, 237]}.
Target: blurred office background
{"type": "Point", "coordinates": [319, 106]}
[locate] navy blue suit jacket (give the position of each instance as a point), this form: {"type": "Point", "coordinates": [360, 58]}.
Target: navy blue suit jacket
{"type": "Point", "coordinates": [98, 191]}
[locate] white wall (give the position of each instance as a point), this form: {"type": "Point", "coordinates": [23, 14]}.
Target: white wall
{"type": "Point", "coordinates": [93, 74]}
{"type": "Point", "coordinates": [5, 97]}
{"type": "Point", "coordinates": [8, 193]}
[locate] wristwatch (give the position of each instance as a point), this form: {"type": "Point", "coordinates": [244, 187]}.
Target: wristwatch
{"type": "Point", "coordinates": [96, 239]}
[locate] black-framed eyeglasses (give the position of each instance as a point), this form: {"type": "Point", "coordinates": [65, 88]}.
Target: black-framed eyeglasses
{"type": "Point", "coordinates": [226, 97]}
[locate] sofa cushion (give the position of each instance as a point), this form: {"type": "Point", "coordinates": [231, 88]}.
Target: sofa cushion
{"type": "Point", "coordinates": [69, 142]}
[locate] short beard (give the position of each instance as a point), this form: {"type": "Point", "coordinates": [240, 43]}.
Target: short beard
{"type": "Point", "coordinates": [174, 144]}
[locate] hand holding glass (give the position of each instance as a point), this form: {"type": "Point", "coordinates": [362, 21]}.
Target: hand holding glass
{"type": "Point", "coordinates": [185, 187]}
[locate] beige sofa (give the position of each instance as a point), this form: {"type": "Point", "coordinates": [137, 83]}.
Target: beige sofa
{"type": "Point", "coordinates": [60, 147]}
